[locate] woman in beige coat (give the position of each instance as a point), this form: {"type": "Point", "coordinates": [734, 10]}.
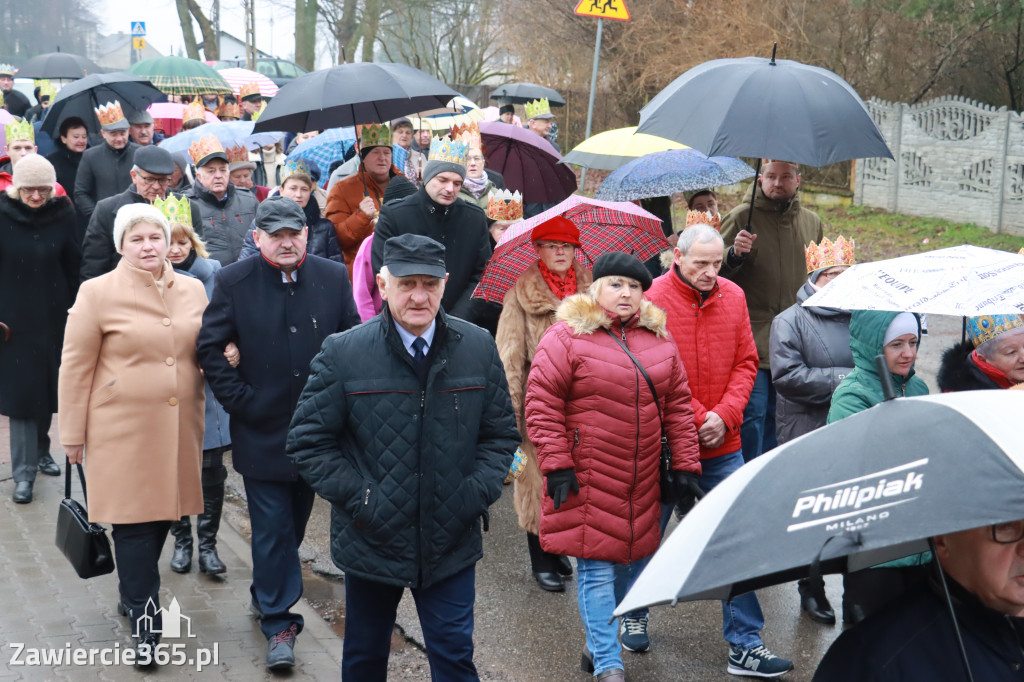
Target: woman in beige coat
{"type": "Point", "coordinates": [527, 312]}
{"type": "Point", "coordinates": [131, 404]}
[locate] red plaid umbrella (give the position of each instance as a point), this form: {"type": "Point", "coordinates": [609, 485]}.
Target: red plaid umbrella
{"type": "Point", "coordinates": [604, 226]}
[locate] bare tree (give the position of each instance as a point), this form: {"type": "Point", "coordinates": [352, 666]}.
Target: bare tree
{"type": "Point", "coordinates": [306, 12]}
{"type": "Point", "coordinates": [187, 11]}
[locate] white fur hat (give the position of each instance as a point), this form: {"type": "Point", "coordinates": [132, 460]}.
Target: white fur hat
{"type": "Point", "coordinates": [130, 215]}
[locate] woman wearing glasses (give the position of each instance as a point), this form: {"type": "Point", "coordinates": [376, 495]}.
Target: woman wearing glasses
{"type": "Point", "coordinates": [38, 281]}
{"type": "Point", "coordinates": [478, 184]}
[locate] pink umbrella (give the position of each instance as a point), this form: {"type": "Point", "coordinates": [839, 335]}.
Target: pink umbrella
{"type": "Point", "coordinates": [5, 118]}
{"type": "Point", "coordinates": [236, 78]}
{"type": "Point", "coordinates": [492, 114]}
{"type": "Point", "coordinates": [528, 162]}
{"type": "Point", "coordinates": [167, 116]}
{"type": "Point", "coordinates": [604, 226]}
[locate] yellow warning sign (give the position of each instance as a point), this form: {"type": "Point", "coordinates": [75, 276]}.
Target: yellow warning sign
{"type": "Point", "coordinates": [603, 9]}
{"type": "Point", "coordinates": [138, 43]}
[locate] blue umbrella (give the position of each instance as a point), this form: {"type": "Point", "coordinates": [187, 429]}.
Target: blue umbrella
{"type": "Point", "coordinates": [326, 148]}
{"type": "Point", "coordinates": [230, 134]}
{"type": "Point", "coordinates": [662, 174]}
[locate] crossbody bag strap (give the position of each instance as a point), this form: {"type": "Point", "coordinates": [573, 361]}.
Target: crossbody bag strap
{"type": "Point", "coordinates": [650, 384]}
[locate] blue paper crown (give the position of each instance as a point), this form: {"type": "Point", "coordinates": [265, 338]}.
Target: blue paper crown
{"type": "Point", "coordinates": [448, 150]}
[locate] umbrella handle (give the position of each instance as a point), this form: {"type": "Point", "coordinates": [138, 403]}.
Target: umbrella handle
{"type": "Point", "coordinates": [952, 613]}
{"type": "Point", "coordinates": [885, 376]}
{"type": "Point", "coordinates": [753, 194]}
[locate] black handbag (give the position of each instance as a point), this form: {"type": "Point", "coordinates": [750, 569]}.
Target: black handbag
{"type": "Point", "coordinates": [84, 544]}
{"type": "Point", "coordinates": [665, 465]}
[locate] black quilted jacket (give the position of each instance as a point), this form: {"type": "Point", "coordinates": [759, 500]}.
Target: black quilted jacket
{"type": "Point", "coordinates": [408, 472]}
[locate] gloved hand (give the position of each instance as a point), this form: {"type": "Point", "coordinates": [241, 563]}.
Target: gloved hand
{"type": "Point", "coordinates": [560, 482]}
{"type": "Point", "coordinates": [685, 490]}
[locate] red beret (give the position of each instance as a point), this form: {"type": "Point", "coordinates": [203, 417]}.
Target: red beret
{"type": "Point", "coordinates": [557, 229]}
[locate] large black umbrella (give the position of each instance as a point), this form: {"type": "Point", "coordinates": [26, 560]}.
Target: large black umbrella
{"type": "Point", "coordinates": [59, 65]}
{"type": "Point", "coordinates": [350, 94]}
{"type": "Point", "coordinates": [80, 98]}
{"type": "Point", "coordinates": [521, 93]}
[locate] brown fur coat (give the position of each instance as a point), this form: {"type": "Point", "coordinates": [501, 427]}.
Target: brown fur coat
{"type": "Point", "coordinates": [528, 311]}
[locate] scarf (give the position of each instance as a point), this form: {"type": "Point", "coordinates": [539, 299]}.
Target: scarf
{"type": "Point", "coordinates": [476, 187]}
{"type": "Point", "coordinates": [559, 287]}
{"type": "Point", "coordinates": [189, 261]}
{"type": "Point", "coordinates": [993, 373]}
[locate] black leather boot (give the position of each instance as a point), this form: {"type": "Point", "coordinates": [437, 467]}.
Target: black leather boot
{"type": "Point", "coordinates": [207, 525]}
{"type": "Point", "coordinates": [814, 601]}
{"type": "Point", "coordinates": [181, 561]}
{"type": "Point", "coordinates": [545, 570]}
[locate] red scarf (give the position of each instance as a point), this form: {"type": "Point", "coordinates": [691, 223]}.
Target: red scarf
{"type": "Point", "coordinates": [993, 373]}
{"type": "Point", "coordinates": [559, 287]}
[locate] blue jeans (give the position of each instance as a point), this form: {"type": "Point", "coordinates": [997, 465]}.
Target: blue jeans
{"type": "Point", "coordinates": [758, 431]}
{"type": "Point", "coordinates": [742, 619]}
{"type": "Point", "coordinates": [598, 593]}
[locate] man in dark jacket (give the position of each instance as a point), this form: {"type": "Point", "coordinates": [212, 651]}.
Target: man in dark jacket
{"type": "Point", "coordinates": [436, 211]}
{"type": "Point", "coordinates": [278, 309]}
{"type": "Point", "coordinates": [105, 169]}
{"type": "Point", "coordinates": [407, 429]}
{"type": "Point", "coordinates": [914, 638]}
{"type": "Point", "coordinates": [150, 176]}
{"type": "Point", "coordinates": [15, 102]}
{"type": "Point", "coordinates": [225, 211]}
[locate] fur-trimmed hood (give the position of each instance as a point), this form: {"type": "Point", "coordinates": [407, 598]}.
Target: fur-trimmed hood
{"type": "Point", "coordinates": [583, 314]}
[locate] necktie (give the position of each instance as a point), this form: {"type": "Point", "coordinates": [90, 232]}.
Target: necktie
{"type": "Point", "coordinates": [419, 359]}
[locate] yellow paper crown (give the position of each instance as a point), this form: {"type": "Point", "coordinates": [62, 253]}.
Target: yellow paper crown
{"type": "Point", "coordinates": [109, 113]}
{"type": "Point", "coordinates": [47, 89]}
{"type": "Point", "coordinates": [1021, 252]}
{"type": "Point", "coordinates": [175, 210]}
{"type": "Point", "coordinates": [538, 107]}
{"type": "Point", "coordinates": [1, 99]}
{"type": "Point", "coordinates": [229, 110]}
{"type": "Point", "coordinates": [193, 111]}
{"type": "Point", "coordinates": [448, 150]}
{"type": "Point", "coordinates": [249, 89]}
{"type": "Point", "coordinates": [828, 255]}
{"type": "Point", "coordinates": [468, 133]}
{"type": "Point", "coordinates": [203, 147]}
{"type": "Point", "coordinates": [704, 218]}
{"type": "Point", "coordinates": [237, 154]}
{"type": "Point", "coordinates": [19, 130]}
{"type": "Point", "coordinates": [374, 135]}
{"type": "Point", "coordinates": [505, 205]}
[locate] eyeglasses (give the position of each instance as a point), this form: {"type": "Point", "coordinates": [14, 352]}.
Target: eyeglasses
{"type": "Point", "coordinates": [1008, 533]}
{"type": "Point", "coordinates": [555, 246]}
{"type": "Point", "coordinates": [41, 191]}
{"type": "Point", "coordinates": [152, 181]}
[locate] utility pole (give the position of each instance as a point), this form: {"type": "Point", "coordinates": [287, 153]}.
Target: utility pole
{"type": "Point", "coordinates": [250, 34]}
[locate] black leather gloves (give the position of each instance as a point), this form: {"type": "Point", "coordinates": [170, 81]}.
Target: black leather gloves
{"type": "Point", "coordinates": [686, 490]}
{"type": "Point", "coordinates": [560, 482]}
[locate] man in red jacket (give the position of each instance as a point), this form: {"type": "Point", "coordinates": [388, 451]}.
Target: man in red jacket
{"type": "Point", "coordinates": [708, 320]}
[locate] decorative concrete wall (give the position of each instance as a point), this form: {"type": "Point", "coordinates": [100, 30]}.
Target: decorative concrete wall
{"type": "Point", "coordinates": [955, 159]}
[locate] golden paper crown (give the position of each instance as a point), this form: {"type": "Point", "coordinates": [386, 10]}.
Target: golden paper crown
{"type": "Point", "coordinates": [237, 154]}
{"type": "Point", "coordinates": [704, 218]}
{"type": "Point", "coordinates": [249, 89]}
{"type": "Point", "coordinates": [505, 205]}
{"type": "Point", "coordinates": [203, 147]}
{"type": "Point", "coordinates": [19, 130]}
{"type": "Point", "coordinates": [828, 254]}
{"type": "Point", "coordinates": [229, 110]}
{"type": "Point", "coordinates": [1021, 252]}
{"type": "Point", "coordinates": [109, 113]}
{"type": "Point", "coordinates": [468, 133]}
{"type": "Point", "coordinates": [47, 89]}
{"type": "Point", "coordinates": [538, 107]}
{"type": "Point", "coordinates": [374, 135]}
{"type": "Point", "coordinates": [175, 210]}
{"type": "Point", "coordinates": [987, 327]}
{"type": "Point", "coordinates": [193, 111]}
{"type": "Point", "coordinates": [448, 150]}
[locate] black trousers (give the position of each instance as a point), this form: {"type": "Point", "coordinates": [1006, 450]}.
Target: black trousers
{"type": "Point", "coordinates": [137, 548]}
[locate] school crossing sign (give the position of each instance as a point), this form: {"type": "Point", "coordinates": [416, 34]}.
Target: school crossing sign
{"type": "Point", "coordinates": [603, 9]}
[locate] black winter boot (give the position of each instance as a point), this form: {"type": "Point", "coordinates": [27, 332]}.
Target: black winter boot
{"type": "Point", "coordinates": [207, 525]}
{"type": "Point", "coordinates": [181, 561]}
{"type": "Point", "coordinates": [545, 566]}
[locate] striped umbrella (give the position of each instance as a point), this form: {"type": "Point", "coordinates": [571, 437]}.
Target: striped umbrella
{"type": "Point", "coordinates": [604, 226]}
{"type": "Point", "coordinates": [236, 78]}
{"type": "Point", "coordinates": [181, 76]}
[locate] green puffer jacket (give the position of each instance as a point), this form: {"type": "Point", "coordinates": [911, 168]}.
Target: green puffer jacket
{"type": "Point", "coordinates": [862, 388]}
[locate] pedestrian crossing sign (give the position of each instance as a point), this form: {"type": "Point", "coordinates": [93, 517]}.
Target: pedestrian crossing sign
{"type": "Point", "coordinates": [603, 9]}
{"type": "Point", "coordinates": [138, 29]}
{"type": "Point", "coordinates": [138, 43]}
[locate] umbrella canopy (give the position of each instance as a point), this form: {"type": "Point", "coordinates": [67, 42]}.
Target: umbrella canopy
{"type": "Point", "coordinates": [459, 111]}
{"type": "Point", "coordinates": [63, 65]}
{"type": "Point", "coordinates": [604, 226]}
{"type": "Point", "coordinates": [614, 148]}
{"type": "Point", "coordinates": [80, 98]}
{"type": "Point", "coordinates": [326, 148]}
{"type": "Point", "coordinates": [236, 78]}
{"type": "Point", "coordinates": [493, 114]}
{"type": "Point", "coordinates": [182, 76]}
{"type": "Point", "coordinates": [230, 134]}
{"type": "Point", "coordinates": [350, 94]}
{"type": "Point", "coordinates": [874, 486]}
{"type": "Point", "coordinates": [768, 108]}
{"type": "Point", "coordinates": [528, 162]}
{"type": "Point", "coordinates": [523, 92]}
{"type": "Point", "coordinates": [662, 174]}
{"type": "Point", "coordinates": [962, 280]}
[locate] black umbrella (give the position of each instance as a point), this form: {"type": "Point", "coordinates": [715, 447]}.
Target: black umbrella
{"type": "Point", "coordinates": [80, 98]}
{"type": "Point", "coordinates": [61, 65]}
{"type": "Point", "coordinates": [521, 93]}
{"type": "Point", "coordinates": [350, 94]}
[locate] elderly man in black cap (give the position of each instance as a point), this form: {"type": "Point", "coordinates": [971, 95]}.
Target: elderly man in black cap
{"type": "Point", "coordinates": [278, 309]}
{"type": "Point", "coordinates": [151, 175]}
{"type": "Point", "coordinates": [15, 102]}
{"type": "Point", "coordinates": [226, 211]}
{"type": "Point", "coordinates": [140, 128]}
{"type": "Point", "coordinates": [436, 211]}
{"type": "Point", "coordinates": [507, 113]}
{"type": "Point", "coordinates": [105, 168]}
{"type": "Point", "coordinates": [406, 427]}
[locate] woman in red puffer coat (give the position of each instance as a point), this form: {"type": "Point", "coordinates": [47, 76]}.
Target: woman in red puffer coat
{"type": "Point", "coordinates": [592, 417]}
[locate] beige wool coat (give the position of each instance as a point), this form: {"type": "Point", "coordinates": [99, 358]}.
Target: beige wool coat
{"type": "Point", "coordinates": [528, 311]}
{"type": "Point", "coordinates": [131, 391]}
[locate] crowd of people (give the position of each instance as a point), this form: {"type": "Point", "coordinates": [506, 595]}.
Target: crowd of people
{"type": "Point", "coordinates": [319, 325]}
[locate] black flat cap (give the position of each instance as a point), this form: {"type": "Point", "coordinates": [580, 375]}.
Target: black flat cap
{"type": "Point", "coordinates": [619, 264]}
{"type": "Point", "coordinates": [279, 213]}
{"type": "Point", "coordinates": [155, 160]}
{"type": "Point", "coordinates": [414, 254]}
